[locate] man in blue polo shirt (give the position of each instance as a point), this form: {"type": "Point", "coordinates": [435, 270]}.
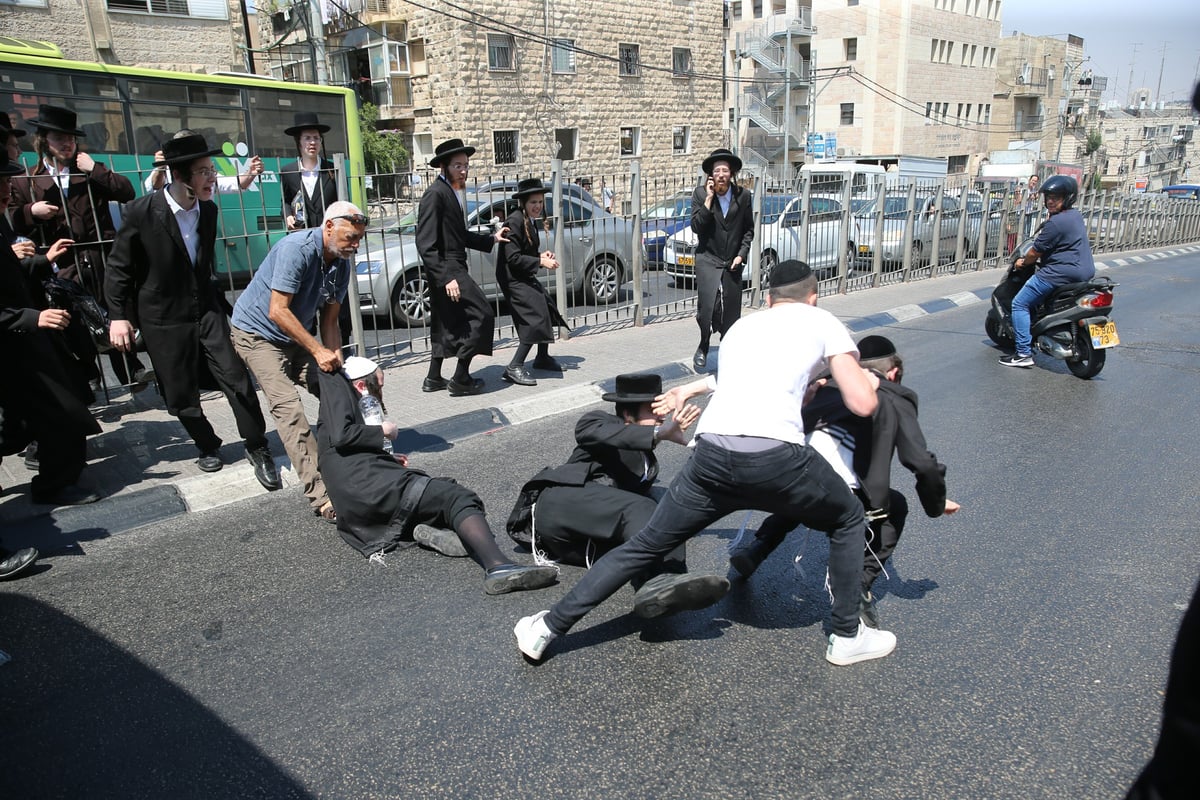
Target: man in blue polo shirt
{"type": "Point", "coordinates": [287, 320]}
{"type": "Point", "coordinates": [1065, 255]}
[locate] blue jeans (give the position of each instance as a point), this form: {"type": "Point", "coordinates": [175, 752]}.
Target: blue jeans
{"type": "Point", "coordinates": [1032, 293]}
{"type": "Point", "coordinates": [790, 480]}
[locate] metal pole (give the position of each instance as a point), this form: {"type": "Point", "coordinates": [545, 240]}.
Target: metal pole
{"type": "Point", "coordinates": [356, 325]}
{"type": "Point", "coordinates": [560, 274]}
{"type": "Point", "coordinates": [635, 194]}
{"type": "Point", "coordinates": [787, 109]}
{"type": "Point", "coordinates": [316, 38]}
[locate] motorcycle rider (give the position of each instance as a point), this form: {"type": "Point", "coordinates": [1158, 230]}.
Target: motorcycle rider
{"type": "Point", "coordinates": [1066, 257]}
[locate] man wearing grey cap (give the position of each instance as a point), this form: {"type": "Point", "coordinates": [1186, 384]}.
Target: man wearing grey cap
{"type": "Point", "coordinates": [749, 453]}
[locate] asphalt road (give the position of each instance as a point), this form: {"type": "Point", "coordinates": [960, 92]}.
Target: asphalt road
{"type": "Point", "coordinates": [247, 652]}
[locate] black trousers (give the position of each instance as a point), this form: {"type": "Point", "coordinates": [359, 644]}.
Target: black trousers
{"type": "Point", "coordinates": [884, 536]}
{"type": "Point", "coordinates": [579, 524]}
{"type": "Point", "coordinates": [62, 455]}
{"type": "Point", "coordinates": [233, 379]}
{"type": "Point", "coordinates": [718, 296]}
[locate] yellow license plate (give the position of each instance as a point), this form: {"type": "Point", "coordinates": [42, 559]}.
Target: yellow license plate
{"type": "Point", "coordinates": [863, 249]}
{"type": "Point", "coordinates": [1104, 335]}
{"type": "Point", "coordinates": [686, 261]}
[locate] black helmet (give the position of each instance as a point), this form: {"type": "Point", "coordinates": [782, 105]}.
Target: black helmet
{"type": "Point", "coordinates": [1063, 186]}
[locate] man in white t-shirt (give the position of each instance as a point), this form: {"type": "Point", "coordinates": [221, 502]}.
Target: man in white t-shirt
{"type": "Point", "coordinates": [749, 453]}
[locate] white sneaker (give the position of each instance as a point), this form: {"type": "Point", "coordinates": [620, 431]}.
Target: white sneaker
{"type": "Point", "coordinates": [533, 635]}
{"type": "Point", "coordinates": [867, 644]}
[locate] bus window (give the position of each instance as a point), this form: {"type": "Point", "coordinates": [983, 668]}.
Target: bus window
{"type": "Point", "coordinates": [273, 110]}
{"type": "Point", "coordinates": [153, 124]}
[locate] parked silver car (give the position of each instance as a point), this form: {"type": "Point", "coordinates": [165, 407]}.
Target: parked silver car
{"type": "Point", "coordinates": [895, 216]}
{"type": "Point", "coordinates": [597, 257]}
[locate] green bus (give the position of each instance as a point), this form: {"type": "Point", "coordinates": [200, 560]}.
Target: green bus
{"type": "Point", "coordinates": [127, 113]}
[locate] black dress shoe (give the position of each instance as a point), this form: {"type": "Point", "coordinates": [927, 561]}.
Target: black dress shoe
{"type": "Point", "coordinates": [517, 374]}
{"type": "Point", "coordinates": [700, 360]}
{"type": "Point", "coordinates": [462, 389]}
{"type": "Point", "coordinates": [264, 468]}
{"type": "Point", "coordinates": [547, 364]}
{"type": "Point", "coordinates": [434, 384]}
{"type": "Point", "coordinates": [67, 496]}
{"type": "Point", "coordinates": [31, 457]}
{"type": "Point", "coordinates": [209, 462]}
{"type": "Point", "coordinates": [514, 577]}
{"type": "Point", "coordinates": [667, 594]}
{"type": "Point", "coordinates": [12, 564]}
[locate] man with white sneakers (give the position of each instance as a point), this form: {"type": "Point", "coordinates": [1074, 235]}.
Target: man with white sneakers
{"type": "Point", "coordinates": [749, 453]}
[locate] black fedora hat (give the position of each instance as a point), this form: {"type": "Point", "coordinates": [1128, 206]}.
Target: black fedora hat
{"type": "Point", "coordinates": [448, 149]}
{"type": "Point", "coordinates": [305, 120]}
{"type": "Point", "coordinates": [185, 149]}
{"type": "Point", "coordinates": [721, 154]}
{"type": "Point", "coordinates": [54, 118]}
{"type": "Point", "coordinates": [9, 167]}
{"type": "Point", "coordinates": [529, 186]}
{"type": "Point", "coordinates": [635, 387]}
{"type": "Point", "coordinates": [7, 128]}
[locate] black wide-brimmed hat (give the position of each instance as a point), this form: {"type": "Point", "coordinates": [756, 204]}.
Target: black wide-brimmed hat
{"type": "Point", "coordinates": [636, 387]}
{"type": "Point", "coordinates": [448, 149]}
{"type": "Point", "coordinates": [721, 154]}
{"type": "Point", "coordinates": [9, 167]}
{"type": "Point", "coordinates": [54, 118]}
{"type": "Point", "coordinates": [7, 128]}
{"type": "Point", "coordinates": [184, 150]}
{"type": "Point", "coordinates": [305, 120]}
{"type": "Point", "coordinates": [529, 186]}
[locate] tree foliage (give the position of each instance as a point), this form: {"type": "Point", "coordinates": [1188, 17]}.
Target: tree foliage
{"type": "Point", "coordinates": [383, 151]}
{"type": "Point", "coordinates": [1094, 142]}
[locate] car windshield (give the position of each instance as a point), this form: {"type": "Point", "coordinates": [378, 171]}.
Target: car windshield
{"type": "Point", "coordinates": [773, 205]}
{"type": "Point", "coordinates": [892, 205]}
{"type": "Point", "coordinates": [407, 225]}
{"type": "Point", "coordinates": [670, 208]}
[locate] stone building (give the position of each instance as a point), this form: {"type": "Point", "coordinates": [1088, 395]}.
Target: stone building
{"type": "Point", "coordinates": [1145, 147]}
{"type": "Point", "coordinates": [912, 77]}
{"type": "Point", "coordinates": [184, 35]}
{"type": "Point", "coordinates": [598, 83]}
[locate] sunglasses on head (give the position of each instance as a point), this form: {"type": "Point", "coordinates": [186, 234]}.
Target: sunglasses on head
{"type": "Point", "coordinates": [354, 219]}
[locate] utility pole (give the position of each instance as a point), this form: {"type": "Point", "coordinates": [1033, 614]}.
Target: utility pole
{"type": "Point", "coordinates": [1161, 64]}
{"type": "Point", "coordinates": [1132, 61]}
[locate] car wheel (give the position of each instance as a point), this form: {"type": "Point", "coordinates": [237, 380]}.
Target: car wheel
{"type": "Point", "coordinates": [410, 300]}
{"type": "Point", "coordinates": [603, 280]}
{"type": "Point", "coordinates": [766, 263]}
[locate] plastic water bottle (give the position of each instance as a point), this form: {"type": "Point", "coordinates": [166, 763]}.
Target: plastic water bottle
{"type": "Point", "coordinates": [298, 209]}
{"type": "Point", "coordinates": [372, 411]}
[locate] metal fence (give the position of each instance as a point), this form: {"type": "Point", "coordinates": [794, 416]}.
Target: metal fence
{"type": "Point", "coordinates": [633, 262]}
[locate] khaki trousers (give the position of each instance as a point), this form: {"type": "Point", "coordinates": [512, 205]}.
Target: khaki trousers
{"type": "Point", "coordinates": [280, 369]}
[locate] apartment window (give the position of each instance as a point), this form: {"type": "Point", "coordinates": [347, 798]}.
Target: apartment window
{"type": "Point", "coordinates": [500, 51]}
{"type": "Point", "coordinates": [681, 139]}
{"type": "Point", "coordinates": [928, 110]}
{"type": "Point", "coordinates": [967, 116]}
{"type": "Point", "coordinates": [29, 3]}
{"type": "Point", "coordinates": [206, 9]}
{"type": "Point", "coordinates": [630, 63]}
{"type": "Point", "coordinates": [631, 141]}
{"type": "Point", "coordinates": [973, 50]}
{"type": "Point", "coordinates": [506, 145]}
{"type": "Point", "coordinates": [987, 114]}
{"type": "Point", "coordinates": [567, 140]}
{"type": "Point", "coordinates": [563, 56]}
{"type": "Point", "coordinates": [735, 10]}
{"type": "Point", "coordinates": [851, 46]}
{"type": "Point", "coordinates": [681, 61]}
{"type": "Point", "coordinates": [958, 116]}
{"type": "Point", "coordinates": [847, 116]}
{"type": "Point", "coordinates": [851, 2]}
{"type": "Point", "coordinates": [757, 9]}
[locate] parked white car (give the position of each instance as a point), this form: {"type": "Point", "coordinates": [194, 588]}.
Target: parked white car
{"type": "Point", "coordinates": [778, 238]}
{"type": "Point", "coordinates": [895, 216]}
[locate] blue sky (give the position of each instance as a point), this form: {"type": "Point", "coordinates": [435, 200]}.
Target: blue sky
{"type": "Point", "coordinates": [1110, 28]}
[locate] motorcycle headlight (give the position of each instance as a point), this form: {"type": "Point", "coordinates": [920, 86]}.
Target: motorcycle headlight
{"type": "Point", "coordinates": [368, 267]}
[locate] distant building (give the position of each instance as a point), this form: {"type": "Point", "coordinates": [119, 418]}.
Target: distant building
{"type": "Point", "coordinates": [598, 84]}
{"type": "Point", "coordinates": [912, 77]}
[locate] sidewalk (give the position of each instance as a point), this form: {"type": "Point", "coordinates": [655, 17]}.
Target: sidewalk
{"type": "Point", "coordinates": [144, 465]}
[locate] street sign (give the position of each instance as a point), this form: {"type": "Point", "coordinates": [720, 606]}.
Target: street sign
{"type": "Point", "coordinates": [816, 146]}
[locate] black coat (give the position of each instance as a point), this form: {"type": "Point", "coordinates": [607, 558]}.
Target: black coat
{"type": "Point", "coordinates": [44, 383]}
{"type": "Point", "coordinates": [373, 494]}
{"type": "Point", "coordinates": [326, 193]}
{"type": "Point", "coordinates": [152, 282]}
{"type": "Point", "coordinates": [893, 428]}
{"type": "Point", "coordinates": [465, 328]}
{"type": "Point", "coordinates": [517, 266]}
{"type": "Point", "coordinates": [722, 237]}
{"type": "Point", "coordinates": [609, 452]}
{"type": "Point", "coordinates": [84, 217]}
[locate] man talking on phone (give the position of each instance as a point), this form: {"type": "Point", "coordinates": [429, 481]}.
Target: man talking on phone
{"type": "Point", "coordinates": [724, 228]}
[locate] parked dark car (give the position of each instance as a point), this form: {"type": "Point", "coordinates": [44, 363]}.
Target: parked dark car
{"type": "Point", "coordinates": [663, 220]}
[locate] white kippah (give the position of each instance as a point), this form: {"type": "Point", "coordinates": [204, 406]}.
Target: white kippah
{"type": "Point", "coordinates": [357, 367]}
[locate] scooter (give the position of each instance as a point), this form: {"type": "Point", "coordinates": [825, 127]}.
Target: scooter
{"type": "Point", "coordinates": [1071, 324]}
